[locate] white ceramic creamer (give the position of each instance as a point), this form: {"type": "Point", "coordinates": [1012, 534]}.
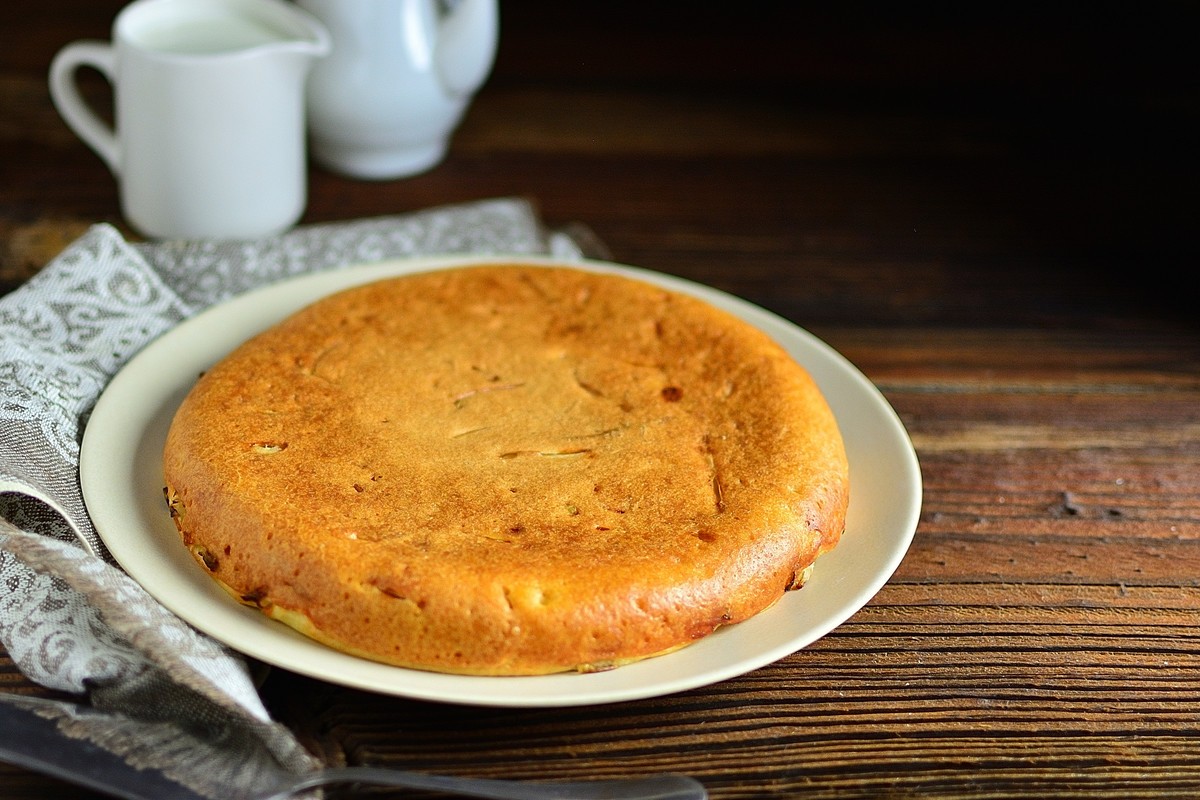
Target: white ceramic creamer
{"type": "Point", "coordinates": [209, 137]}
{"type": "Point", "coordinates": [399, 79]}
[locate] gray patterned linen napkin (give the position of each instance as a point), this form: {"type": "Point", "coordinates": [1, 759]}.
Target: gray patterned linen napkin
{"type": "Point", "coordinates": [175, 700]}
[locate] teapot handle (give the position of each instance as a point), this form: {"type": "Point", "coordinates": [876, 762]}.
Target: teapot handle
{"type": "Point", "coordinates": [467, 46]}
{"type": "Point", "coordinates": [78, 115]}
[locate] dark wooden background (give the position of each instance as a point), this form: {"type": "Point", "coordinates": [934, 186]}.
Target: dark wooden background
{"type": "Point", "coordinates": [991, 210]}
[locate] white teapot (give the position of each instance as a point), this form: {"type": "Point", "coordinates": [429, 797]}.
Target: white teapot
{"type": "Point", "coordinates": [399, 78]}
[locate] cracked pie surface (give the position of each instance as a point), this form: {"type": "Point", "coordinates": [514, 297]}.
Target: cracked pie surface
{"type": "Point", "coordinates": [506, 470]}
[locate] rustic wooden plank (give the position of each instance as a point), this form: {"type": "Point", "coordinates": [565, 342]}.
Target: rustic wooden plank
{"type": "Point", "coordinates": [824, 723]}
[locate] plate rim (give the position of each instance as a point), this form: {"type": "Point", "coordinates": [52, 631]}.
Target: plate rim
{"type": "Point", "coordinates": [97, 477]}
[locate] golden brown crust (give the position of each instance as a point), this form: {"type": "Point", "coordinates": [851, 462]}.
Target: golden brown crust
{"type": "Point", "coordinates": [507, 470]}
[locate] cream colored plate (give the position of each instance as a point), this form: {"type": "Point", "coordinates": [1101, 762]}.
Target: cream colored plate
{"type": "Point", "coordinates": [120, 474]}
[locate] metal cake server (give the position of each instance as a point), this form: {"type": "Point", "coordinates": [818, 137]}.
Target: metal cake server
{"type": "Point", "coordinates": [654, 787]}
{"type": "Point", "coordinates": [34, 741]}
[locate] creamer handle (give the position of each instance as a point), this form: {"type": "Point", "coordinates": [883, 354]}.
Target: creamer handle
{"type": "Point", "coordinates": [79, 116]}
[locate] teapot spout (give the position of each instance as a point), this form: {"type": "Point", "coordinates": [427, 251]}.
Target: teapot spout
{"type": "Point", "coordinates": [466, 46]}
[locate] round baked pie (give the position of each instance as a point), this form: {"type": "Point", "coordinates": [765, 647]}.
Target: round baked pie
{"type": "Point", "coordinates": [507, 469]}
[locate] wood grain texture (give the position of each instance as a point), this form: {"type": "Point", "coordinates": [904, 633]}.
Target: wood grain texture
{"type": "Point", "coordinates": [990, 213]}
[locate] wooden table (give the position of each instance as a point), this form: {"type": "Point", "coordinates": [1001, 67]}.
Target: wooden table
{"type": "Point", "coordinates": [991, 215]}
